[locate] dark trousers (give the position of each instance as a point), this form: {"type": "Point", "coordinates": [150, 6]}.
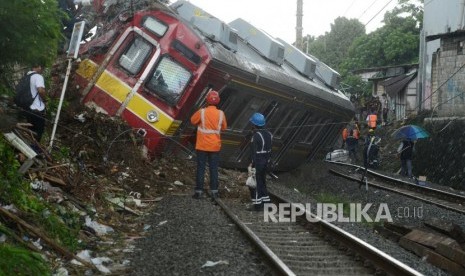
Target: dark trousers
{"type": "Point", "coordinates": [259, 195]}
{"type": "Point", "coordinates": [37, 120]}
{"type": "Point", "coordinates": [213, 159]}
{"type": "Point", "coordinates": [406, 167]}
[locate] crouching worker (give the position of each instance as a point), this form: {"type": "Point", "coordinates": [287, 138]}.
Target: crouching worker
{"type": "Point", "coordinates": [260, 146]}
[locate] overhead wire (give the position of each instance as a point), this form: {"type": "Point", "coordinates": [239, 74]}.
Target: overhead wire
{"type": "Point", "coordinates": [378, 12]}
{"type": "Point", "coordinates": [348, 8]}
{"type": "Point", "coordinates": [369, 7]}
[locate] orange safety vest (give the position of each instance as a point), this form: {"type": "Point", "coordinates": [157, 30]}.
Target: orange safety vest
{"type": "Point", "coordinates": [210, 121]}
{"type": "Point", "coordinates": [372, 118]}
{"type": "Point", "coordinates": [345, 133]}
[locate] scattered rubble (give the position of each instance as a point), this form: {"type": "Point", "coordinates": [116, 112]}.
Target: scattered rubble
{"type": "Point", "coordinates": [96, 171]}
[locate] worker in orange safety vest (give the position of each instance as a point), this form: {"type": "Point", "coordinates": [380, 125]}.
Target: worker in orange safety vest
{"type": "Point", "coordinates": [371, 120]}
{"type": "Point", "coordinates": [210, 121]}
{"type": "Point", "coordinates": [356, 132]}
{"type": "Point", "coordinates": [345, 133]}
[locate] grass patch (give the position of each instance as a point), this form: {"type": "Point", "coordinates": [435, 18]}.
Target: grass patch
{"type": "Point", "coordinates": [19, 261]}
{"type": "Point", "coordinates": [14, 190]}
{"type": "Point", "coordinates": [333, 199]}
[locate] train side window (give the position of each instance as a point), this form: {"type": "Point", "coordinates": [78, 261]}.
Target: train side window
{"type": "Point", "coordinates": [243, 110]}
{"type": "Point", "coordinates": [168, 80]}
{"type": "Point", "coordinates": [227, 102]}
{"type": "Point", "coordinates": [134, 57]}
{"type": "Point", "coordinates": [287, 123]}
{"type": "Point", "coordinates": [276, 119]}
{"type": "Point", "coordinates": [307, 131]}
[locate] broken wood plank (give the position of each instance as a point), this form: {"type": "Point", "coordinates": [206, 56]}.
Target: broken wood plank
{"type": "Point", "coordinates": [398, 228]}
{"type": "Point", "coordinates": [18, 239]}
{"type": "Point", "coordinates": [387, 233]}
{"type": "Point", "coordinates": [429, 239]}
{"type": "Point", "coordinates": [54, 179]}
{"type": "Point", "coordinates": [448, 228]}
{"type": "Point", "coordinates": [26, 165]}
{"type": "Point", "coordinates": [455, 254]}
{"type": "Point", "coordinates": [432, 257]}
{"type": "Point", "coordinates": [122, 206]}
{"type": "Point", "coordinates": [63, 251]}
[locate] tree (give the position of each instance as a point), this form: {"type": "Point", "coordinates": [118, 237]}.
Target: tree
{"type": "Point", "coordinates": [396, 43]}
{"type": "Point", "coordinates": [332, 48]}
{"type": "Point", "coordinates": [30, 31]}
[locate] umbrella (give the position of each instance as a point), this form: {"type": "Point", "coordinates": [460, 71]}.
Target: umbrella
{"type": "Point", "coordinates": [411, 132]}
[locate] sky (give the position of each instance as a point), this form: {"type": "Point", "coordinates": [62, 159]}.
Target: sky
{"type": "Point", "coordinates": [278, 17]}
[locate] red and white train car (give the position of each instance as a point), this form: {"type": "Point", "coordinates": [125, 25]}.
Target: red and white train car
{"type": "Point", "coordinates": [154, 66]}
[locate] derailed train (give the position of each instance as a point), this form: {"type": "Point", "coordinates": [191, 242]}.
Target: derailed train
{"type": "Point", "coordinates": [154, 67]}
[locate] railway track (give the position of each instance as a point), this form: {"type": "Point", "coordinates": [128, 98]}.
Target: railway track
{"type": "Point", "coordinates": [443, 199]}
{"type": "Point", "coordinates": [311, 248]}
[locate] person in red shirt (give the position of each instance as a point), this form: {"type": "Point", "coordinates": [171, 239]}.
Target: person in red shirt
{"type": "Point", "coordinates": [210, 121]}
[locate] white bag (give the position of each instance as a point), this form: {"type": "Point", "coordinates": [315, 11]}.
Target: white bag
{"type": "Point", "coordinates": [251, 181]}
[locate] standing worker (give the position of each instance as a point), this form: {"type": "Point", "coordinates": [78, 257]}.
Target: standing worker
{"type": "Point", "coordinates": [405, 152]}
{"type": "Point", "coordinates": [372, 118]}
{"type": "Point", "coordinates": [352, 144]}
{"type": "Point", "coordinates": [260, 154]}
{"type": "Point", "coordinates": [345, 133]}
{"type": "Point", "coordinates": [36, 113]}
{"type": "Point", "coordinates": [210, 121]}
{"type": "Point", "coordinates": [371, 150]}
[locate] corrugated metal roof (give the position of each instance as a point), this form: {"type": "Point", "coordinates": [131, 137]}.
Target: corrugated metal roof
{"type": "Point", "coordinates": [396, 84]}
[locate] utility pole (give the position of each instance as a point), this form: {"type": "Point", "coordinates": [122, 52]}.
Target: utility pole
{"type": "Point", "coordinates": [299, 28]}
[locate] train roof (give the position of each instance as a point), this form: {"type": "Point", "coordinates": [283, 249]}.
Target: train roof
{"type": "Point", "coordinates": [241, 55]}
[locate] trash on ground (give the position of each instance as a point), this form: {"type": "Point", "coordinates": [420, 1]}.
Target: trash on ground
{"type": "Point", "coordinates": [99, 229]}
{"type": "Point", "coordinates": [212, 264]}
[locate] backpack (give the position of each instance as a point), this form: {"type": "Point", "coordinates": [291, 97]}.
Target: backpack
{"type": "Point", "coordinates": [23, 97]}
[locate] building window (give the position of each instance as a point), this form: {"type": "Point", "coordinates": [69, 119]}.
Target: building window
{"type": "Point", "coordinates": [460, 47]}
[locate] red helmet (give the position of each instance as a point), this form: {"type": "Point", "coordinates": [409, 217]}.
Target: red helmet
{"type": "Point", "coordinates": [213, 97]}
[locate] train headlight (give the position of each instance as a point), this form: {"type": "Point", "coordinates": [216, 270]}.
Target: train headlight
{"type": "Point", "coordinates": [152, 116]}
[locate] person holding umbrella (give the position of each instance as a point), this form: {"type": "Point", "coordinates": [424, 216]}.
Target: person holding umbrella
{"type": "Point", "coordinates": [405, 152]}
{"type": "Point", "coordinates": [409, 135]}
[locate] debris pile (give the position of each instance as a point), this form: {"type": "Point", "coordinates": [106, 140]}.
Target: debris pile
{"type": "Point", "coordinates": [97, 176]}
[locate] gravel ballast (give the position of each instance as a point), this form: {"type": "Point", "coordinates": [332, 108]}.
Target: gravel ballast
{"type": "Point", "coordinates": [312, 183]}
{"type": "Point", "coordinates": [185, 234]}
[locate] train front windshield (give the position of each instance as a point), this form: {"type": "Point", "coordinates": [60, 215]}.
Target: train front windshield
{"type": "Point", "coordinates": [168, 80]}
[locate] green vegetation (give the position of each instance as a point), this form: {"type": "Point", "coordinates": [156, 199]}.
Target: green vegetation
{"type": "Point", "coordinates": [333, 199]}
{"type": "Point", "coordinates": [19, 261]}
{"type": "Point", "coordinates": [30, 31]}
{"type": "Point", "coordinates": [14, 190]}
{"type": "Point", "coordinates": [346, 47]}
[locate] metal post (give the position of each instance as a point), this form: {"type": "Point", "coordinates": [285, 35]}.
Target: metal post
{"type": "Point", "coordinates": [68, 70]}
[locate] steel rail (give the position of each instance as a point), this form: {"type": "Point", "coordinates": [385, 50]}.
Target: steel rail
{"type": "Point", "coordinates": [273, 258]}
{"type": "Point", "coordinates": [457, 197]}
{"type": "Point", "coordinates": [379, 258]}
{"type": "Point", "coordinates": [462, 211]}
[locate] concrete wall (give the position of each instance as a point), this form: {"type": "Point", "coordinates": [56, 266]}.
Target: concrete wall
{"type": "Point", "coordinates": [441, 156]}
{"type": "Point", "coordinates": [448, 77]}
